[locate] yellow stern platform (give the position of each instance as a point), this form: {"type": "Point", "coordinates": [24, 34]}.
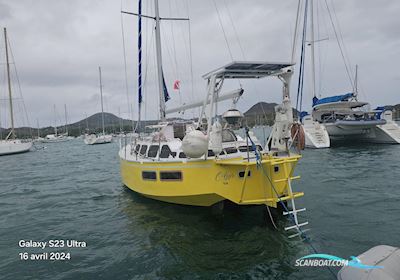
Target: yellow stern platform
{"type": "Point", "coordinates": [206, 182]}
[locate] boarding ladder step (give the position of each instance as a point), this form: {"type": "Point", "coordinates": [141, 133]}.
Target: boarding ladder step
{"type": "Point", "coordinates": [299, 233]}
{"type": "Point", "coordinates": [296, 226]}
{"type": "Point", "coordinates": [293, 213]}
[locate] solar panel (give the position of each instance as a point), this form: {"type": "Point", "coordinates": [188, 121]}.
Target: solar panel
{"type": "Point", "coordinates": [235, 70]}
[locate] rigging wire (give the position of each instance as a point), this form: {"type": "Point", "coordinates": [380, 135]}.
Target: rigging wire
{"type": "Point", "coordinates": [319, 50]}
{"type": "Point", "coordinates": [1, 118]}
{"type": "Point", "coordinates": [340, 45]}
{"type": "Point", "coordinates": [130, 111]}
{"type": "Point", "coordinates": [223, 30]}
{"type": "Point", "coordinates": [190, 52]}
{"type": "Point", "coordinates": [174, 52]}
{"type": "Point", "coordinates": [147, 66]}
{"type": "Point", "coordinates": [299, 100]}
{"type": "Point", "coordinates": [20, 90]}
{"type": "Point", "coordinates": [234, 29]}
{"type": "Point", "coordinates": [341, 38]}
{"type": "Point", "coordinates": [322, 56]}
{"type": "Point", "coordinates": [296, 30]}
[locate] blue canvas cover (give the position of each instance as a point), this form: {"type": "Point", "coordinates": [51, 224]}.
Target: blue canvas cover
{"type": "Point", "coordinates": [331, 99]}
{"type": "Point", "coordinates": [303, 114]}
{"type": "Point", "coordinates": [379, 112]}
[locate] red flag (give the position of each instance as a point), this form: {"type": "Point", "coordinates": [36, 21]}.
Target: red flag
{"type": "Point", "coordinates": [177, 85]}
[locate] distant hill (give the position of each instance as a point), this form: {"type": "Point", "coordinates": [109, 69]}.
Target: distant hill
{"type": "Point", "coordinates": [92, 124]}
{"type": "Point", "coordinates": [261, 113]}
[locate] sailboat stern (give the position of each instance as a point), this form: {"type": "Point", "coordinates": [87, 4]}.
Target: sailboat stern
{"type": "Point", "coordinates": [265, 183]}
{"type": "Point", "coordinates": [207, 182]}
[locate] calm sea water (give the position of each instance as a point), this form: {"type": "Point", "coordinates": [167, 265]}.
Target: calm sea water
{"type": "Point", "coordinates": [72, 191]}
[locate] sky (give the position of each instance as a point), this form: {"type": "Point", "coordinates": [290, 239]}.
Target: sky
{"type": "Point", "coordinates": [57, 47]}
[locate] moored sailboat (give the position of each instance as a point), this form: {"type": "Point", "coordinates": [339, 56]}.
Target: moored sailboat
{"type": "Point", "coordinates": [202, 163]}
{"type": "Point", "coordinates": [12, 145]}
{"type": "Point", "coordinates": [56, 137]}
{"type": "Point", "coordinates": [103, 138]}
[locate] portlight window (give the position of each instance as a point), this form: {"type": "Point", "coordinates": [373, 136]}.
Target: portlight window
{"type": "Point", "coordinates": [231, 150]}
{"type": "Point", "coordinates": [149, 175]}
{"type": "Point", "coordinates": [171, 176]}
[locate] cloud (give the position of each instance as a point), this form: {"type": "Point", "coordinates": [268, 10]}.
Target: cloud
{"type": "Point", "coordinates": [58, 46]}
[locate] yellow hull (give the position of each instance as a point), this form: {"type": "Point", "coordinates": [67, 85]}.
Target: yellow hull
{"type": "Point", "coordinates": [206, 182]}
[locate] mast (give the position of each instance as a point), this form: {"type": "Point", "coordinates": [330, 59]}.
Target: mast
{"type": "Point", "coordinates": [12, 132]}
{"type": "Point", "coordinates": [38, 129]}
{"type": "Point", "coordinates": [312, 49]}
{"type": "Point", "coordinates": [66, 119]}
{"type": "Point", "coordinates": [120, 120]}
{"type": "Point", "coordinates": [55, 120]}
{"type": "Point", "coordinates": [159, 62]}
{"type": "Point", "coordinates": [101, 96]}
{"type": "Point", "coordinates": [139, 65]}
{"type": "Point", "coordinates": [87, 123]}
{"type": "Point", "coordinates": [356, 82]}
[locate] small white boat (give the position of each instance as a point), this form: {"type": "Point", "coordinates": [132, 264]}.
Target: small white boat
{"type": "Point", "coordinates": [11, 145]}
{"type": "Point", "coordinates": [54, 138]}
{"type": "Point", "coordinates": [103, 138]}
{"type": "Point", "coordinates": [92, 139]}
{"type": "Point", "coordinates": [16, 146]}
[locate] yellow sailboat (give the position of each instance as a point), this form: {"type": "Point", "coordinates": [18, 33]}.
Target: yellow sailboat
{"type": "Point", "coordinates": [207, 164]}
{"type": "Point", "coordinates": [202, 163]}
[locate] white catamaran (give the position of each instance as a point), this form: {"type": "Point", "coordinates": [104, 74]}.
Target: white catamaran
{"type": "Point", "coordinates": [343, 117]}
{"type": "Point", "coordinates": [103, 138]}
{"type": "Point", "coordinates": [347, 119]}
{"type": "Point", "coordinates": [12, 145]}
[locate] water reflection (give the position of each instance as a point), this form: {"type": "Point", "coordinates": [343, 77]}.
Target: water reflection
{"type": "Point", "coordinates": [239, 243]}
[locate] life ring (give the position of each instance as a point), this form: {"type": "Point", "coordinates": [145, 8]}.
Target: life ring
{"type": "Point", "coordinates": [298, 136]}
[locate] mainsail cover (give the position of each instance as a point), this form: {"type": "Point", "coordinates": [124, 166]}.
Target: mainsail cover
{"type": "Point", "coordinates": [331, 99]}
{"type": "Point", "coordinates": [165, 89]}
